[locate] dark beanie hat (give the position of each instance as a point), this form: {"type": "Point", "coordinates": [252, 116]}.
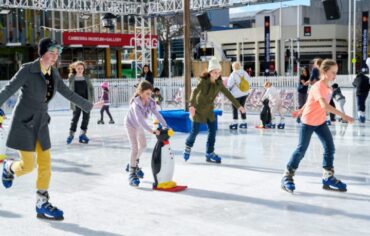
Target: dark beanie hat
{"type": "Point", "coordinates": [45, 44]}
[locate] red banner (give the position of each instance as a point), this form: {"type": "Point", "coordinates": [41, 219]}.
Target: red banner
{"type": "Point", "coordinates": [113, 40]}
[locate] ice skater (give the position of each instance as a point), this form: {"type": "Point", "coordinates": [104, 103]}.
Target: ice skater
{"type": "Point", "coordinates": [147, 74]}
{"type": "Point", "coordinates": [80, 84]}
{"type": "Point", "coordinates": [273, 95]}
{"type": "Point", "coordinates": [315, 72]}
{"type": "Point", "coordinates": [314, 120]}
{"type": "Point", "coordinates": [29, 131]}
{"type": "Point", "coordinates": [141, 105]}
{"type": "Point", "coordinates": [157, 97]}
{"type": "Point", "coordinates": [239, 86]}
{"type": "Point", "coordinates": [304, 81]}
{"type": "Point", "coordinates": [105, 99]}
{"type": "Point", "coordinates": [201, 109]}
{"type": "Point", "coordinates": [362, 85]}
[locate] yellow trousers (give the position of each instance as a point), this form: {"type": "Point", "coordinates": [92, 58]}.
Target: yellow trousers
{"type": "Point", "coordinates": [27, 164]}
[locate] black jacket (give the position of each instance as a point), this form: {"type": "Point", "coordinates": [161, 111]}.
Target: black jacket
{"type": "Point", "coordinates": [301, 87]}
{"type": "Point", "coordinates": [362, 85]}
{"type": "Point", "coordinates": [149, 77]}
{"type": "Point", "coordinates": [315, 75]}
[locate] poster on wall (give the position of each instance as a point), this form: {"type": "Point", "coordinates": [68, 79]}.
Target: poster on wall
{"type": "Point", "coordinates": [267, 44]}
{"type": "Point", "coordinates": [365, 39]}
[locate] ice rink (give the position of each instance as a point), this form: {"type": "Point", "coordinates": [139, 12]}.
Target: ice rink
{"type": "Point", "coordinates": [241, 196]}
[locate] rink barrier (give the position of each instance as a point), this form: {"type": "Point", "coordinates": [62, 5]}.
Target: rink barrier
{"type": "Point", "coordinates": [179, 120]}
{"type": "Point", "coordinates": [172, 90]}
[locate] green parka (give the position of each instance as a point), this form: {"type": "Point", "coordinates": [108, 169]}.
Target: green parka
{"type": "Point", "coordinates": [203, 96]}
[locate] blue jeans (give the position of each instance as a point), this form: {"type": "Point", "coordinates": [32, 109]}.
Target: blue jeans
{"type": "Point", "coordinates": [326, 139]}
{"type": "Point", "coordinates": [211, 135]}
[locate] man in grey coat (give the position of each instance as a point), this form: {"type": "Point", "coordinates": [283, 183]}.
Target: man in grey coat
{"type": "Point", "coordinates": [38, 82]}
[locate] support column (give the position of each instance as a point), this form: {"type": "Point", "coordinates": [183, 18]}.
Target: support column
{"type": "Point", "coordinates": [155, 62]}
{"type": "Point", "coordinates": [69, 20]}
{"type": "Point", "coordinates": [282, 57]}
{"type": "Point", "coordinates": [187, 59]}
{"type": "Point", "coordinates": [334, 50]}
{"type": "Point", "coordinates": [349, 39]}
{"type": "Point", "coordinates": [277, 56]}
{"type": "Point", "coordinates": [257, 59]}
{"type": "Point", "coordinates": [238, 51]}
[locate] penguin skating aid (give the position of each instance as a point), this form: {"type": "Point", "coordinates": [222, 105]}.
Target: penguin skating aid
{"type": "Point", "coordinates": [163, 164]}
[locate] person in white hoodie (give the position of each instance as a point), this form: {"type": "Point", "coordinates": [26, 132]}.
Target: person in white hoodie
{"type": "Point", "coordinates": [273, 95]}
{"type": "Point", "coordinates": [233, 85]}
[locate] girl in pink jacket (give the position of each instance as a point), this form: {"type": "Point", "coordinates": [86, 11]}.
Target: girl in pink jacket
{"type": "Point", "coordinates": [141, 105]}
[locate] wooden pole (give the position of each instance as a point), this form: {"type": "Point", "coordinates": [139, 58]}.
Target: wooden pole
{"type": "Point", "coordinates": [155, 62]}
{"type": "Point", "coordinates": [187, 60]}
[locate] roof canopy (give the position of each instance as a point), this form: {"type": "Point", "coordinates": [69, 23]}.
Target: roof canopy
{"type": "Point", "coordinates": [127, 7]}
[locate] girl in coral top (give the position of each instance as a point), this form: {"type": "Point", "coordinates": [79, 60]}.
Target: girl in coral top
{"type": "Point", "coordinates": [314, 121]}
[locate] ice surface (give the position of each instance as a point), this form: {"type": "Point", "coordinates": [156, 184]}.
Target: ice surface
{"type": "Point", "coordinates": [242, 196]}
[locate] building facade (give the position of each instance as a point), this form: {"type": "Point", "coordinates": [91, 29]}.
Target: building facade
{"type": "Point", "coordinates": [318, 37]}
{"type": "Point", "coordinates": [21, 29]}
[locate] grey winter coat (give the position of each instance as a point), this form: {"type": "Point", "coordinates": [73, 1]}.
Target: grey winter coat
{"type": "Point", "coordinates": [90, 89]}
{"type": "Point", "coordinates": [30, 115]}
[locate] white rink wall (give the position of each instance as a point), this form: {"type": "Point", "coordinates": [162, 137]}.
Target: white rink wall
{"type": "Point", "coordinates": [172, 90]}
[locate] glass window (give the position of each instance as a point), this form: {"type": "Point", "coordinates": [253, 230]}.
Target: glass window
{"type": "Point", "coordinates": [64, 60]}
{"type": "Point", "coordinates": [11, 23]}
{"type": "Point", "coordinates": [113, 62]}
{"type": "Point", "coordinates": [11, 58]}
{"type": "Point", "coordinates": [21, 26]}
{"type": "Point", "coordinates": [118, 25]}
{"type": "Point", "coordinates": [306, 20]}
{"type": "Point", "coordinates": [3, 29]}
{"type": "Point", "coordinates": [91, 61]}
{"type": "Point", "coordinates": [101, 63]}
{"type": "Point", "coordinates": [47, 23]}
{"type": "Point", "coordinates": [37, 26]}
{"type": "Point", "coordinates": [96, 23]}
{"type": "Point", "coordinates": [65, 20]}
{"type": "Point", "coordinates": [94, 59]}
{"type": "Point", "coordinates": [29, 25]}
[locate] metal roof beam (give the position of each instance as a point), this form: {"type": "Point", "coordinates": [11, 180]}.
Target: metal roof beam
{"type": "Point", "coordinates": [83, 6]}
{"type": "Point", "coordinates": [127, 7]}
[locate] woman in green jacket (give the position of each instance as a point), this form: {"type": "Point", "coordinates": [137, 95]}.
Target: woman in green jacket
{"type": "Point", "coordinates": [201, 109]}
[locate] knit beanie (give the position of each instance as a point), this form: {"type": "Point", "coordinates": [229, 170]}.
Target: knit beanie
{"type": "Point", "coordinates": [45, 44]}
{"type": "Point", "coordinates": [213, 64]}
{"type": "Point", "coordinates": [104, 85]}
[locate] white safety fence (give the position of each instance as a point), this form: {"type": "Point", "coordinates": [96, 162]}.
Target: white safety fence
{"type": "Point", "coordinates": [172, 90]}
